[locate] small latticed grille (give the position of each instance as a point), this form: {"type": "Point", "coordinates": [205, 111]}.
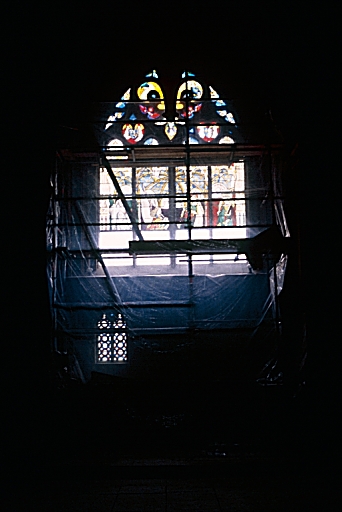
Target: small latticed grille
{"type": "Point", "coordinates": [112, 341]}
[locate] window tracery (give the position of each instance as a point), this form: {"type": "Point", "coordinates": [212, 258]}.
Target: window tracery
{"type": "Point", "coordinates": [210, 122]}
{"type": "Point", "coordinates": [112, 340]}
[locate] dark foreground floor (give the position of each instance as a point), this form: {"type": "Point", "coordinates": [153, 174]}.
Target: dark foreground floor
{"type": "Point", "coordinates": [114, 446]}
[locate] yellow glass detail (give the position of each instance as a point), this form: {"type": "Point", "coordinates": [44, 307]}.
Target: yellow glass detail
{"type": "Point", "coordinates": [213, 93]}
{"type": "Point", "coordinates": [146, 87]}
{"type": "Point", "coordinates": [170, 130]}
{"type": "Point", "coordinates": [127, 94]}
{"type": "Point", "coordinates": [191, 85]}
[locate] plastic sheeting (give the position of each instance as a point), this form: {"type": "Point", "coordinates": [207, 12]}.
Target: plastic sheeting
{"type": "Point", "coordinates": [215, 263]}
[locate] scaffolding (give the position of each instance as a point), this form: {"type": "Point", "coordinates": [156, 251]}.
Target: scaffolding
{"type": "Point", "coordinates": [166, 227]}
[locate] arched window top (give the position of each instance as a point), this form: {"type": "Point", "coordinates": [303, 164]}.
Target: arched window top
{"type": "Point", "coordinates": [146, 116]}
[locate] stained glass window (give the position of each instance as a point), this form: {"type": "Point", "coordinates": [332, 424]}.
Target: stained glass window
{"type": "Point", "coordinates": [166, 202]}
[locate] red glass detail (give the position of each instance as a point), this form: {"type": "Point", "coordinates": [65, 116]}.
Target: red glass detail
{"type": "Point", "coordinates": [151, 112]}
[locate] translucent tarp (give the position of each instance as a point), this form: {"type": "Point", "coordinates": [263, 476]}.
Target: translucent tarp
{"type": "Point", "coordinates": [150, 242]}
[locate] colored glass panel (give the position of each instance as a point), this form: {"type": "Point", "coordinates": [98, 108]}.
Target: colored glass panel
{"type": "Point", "coordinates": [190, 88]}
{"type": "Point", "coordinates": [198, 195]}
{"type": "Point", "coordinates": [208, 133]}
{"type": "Point", "coordinates": [113, 118]}
{"type": "Point", "coordinates": [188, 92]}
{"type": "Point", "coordinates": [127, 95]}
{"type": "Point", "coordinates": [152, 95]}
{"type": "Point", "coordinates": [151, 141]}
{"type": "Point", "coordinates": [213, 93]}
{"type": "Point", "coordinates": [226, 140]}
{"type": "Point", "coordinates": [187, 73]}
{"type": "Point", "coordinates": [193, 140]}
{"type": "Point", "coordinates": [230, 118]}
{"type": "Point", "coordinates": [228, 203]}
{"type": "Point", "coordinates": [170, 130]}
{"type": "Point", "coordinates": [153, 74]}
{"type": "Point", "coordinates": [133, 134]}
{"type": "Point", "coordinates": [152, 184]}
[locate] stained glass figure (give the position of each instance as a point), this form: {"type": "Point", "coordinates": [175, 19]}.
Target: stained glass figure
{"type": "Point", "coordinates": [208, 133]}
{"type": "Point", "coordinates": [133, 134]}
{"type": "Point", "coordinates": [152, 183]}
{"type": "Point", "coordinates": [198, 191]}
{"type": "Point", "coordinates": [228, 203]}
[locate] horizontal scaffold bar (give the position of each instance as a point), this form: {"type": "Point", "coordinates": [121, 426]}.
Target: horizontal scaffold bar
{"type": "Point", "coordinates": [269, 242]}
{"type": "Point", "coordinates": [187, 246]}
{"type": "Point", "coordinates": [127, 305]}
{"type": "Point", "coordinates": [173, 156]}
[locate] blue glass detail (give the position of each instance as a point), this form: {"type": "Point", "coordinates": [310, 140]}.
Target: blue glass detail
{"type": "Point", "coordinates": [187, 73]}
{"type": "Point", "coordinates": [220, 103]}
{"type": "Point", "coordinates": [121, 104]}
{"type": "Point", "coordinates": [230, 118]}
{"type": "Point", "coordinates": [192, 130]}
{"type": "Point", "coordinates": [133, 117]}
{"type": "Point", "coordinates": [151, 142]}
{"type": "Point", "coordinates": [154, 74]}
